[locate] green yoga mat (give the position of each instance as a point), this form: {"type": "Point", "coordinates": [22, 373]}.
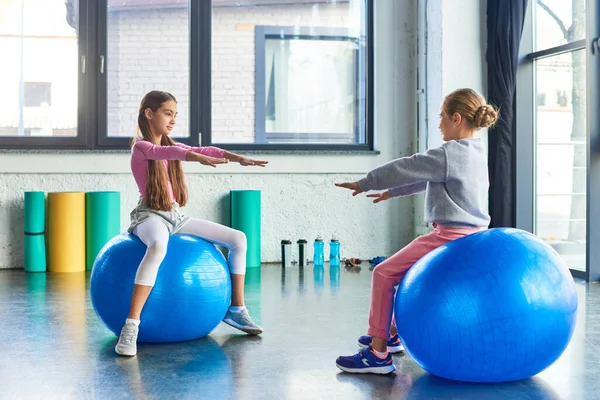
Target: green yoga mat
{"type": "Point", "coordinates": [102, 222]}
{"type": "Point", "coordinates": [34, 212]}
{"type": "Point", "coordinates": [34, 221]}
{"type": "Point", "coordinates": [245, 217]}
{"type": "Point", "coordinates": [34, 247]}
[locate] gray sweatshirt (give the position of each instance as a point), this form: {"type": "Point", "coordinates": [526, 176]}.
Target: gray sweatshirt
{"type": "Point", "coordinates": [453, 176]}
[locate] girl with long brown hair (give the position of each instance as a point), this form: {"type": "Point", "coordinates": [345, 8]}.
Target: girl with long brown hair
{"type": "Point", "coordinates": [156, 166]}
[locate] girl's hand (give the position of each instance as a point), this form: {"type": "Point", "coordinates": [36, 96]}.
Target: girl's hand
{"type": "Point", "coordinates": [352, 186]}
{"type": "Point", "coordinates": [211, 161]}
{"type": "Point", "coordinates": [380, 196]}
{"type": "Point", "coordinates": [250, 162]}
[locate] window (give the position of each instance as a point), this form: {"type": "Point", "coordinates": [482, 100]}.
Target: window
{"type": "Point", "coordinates": [291, 75]}
{"type": "Point", "coordinates": [299, 77]}
{"type": "Point", "coordinates": [561, 161]}
{"type": "Point", "coordinates": [552, 101]}
{"type": "Point", "coordinates": [558, 22]}
{"type": "Point", "coordinates": [40, 83]}
{"type": "Point", "coordinates": [313, 91]}
{"type": "Point", "coordinates": [147, 47]}
{"type": "Point", "coordinates": [252, 75]}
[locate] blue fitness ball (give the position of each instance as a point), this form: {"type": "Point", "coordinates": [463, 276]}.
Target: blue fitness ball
{"type": "Point", "coordinates": [190, 297]}
{"type": "Point", "coordinates": [495, 306]}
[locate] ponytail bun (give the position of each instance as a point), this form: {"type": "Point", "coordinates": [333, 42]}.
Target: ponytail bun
{"type": "Point", "coordinates": [485, 117]}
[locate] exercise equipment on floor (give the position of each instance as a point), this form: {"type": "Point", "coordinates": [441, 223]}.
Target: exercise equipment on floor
{"type": "Point", "coordinates": [190, 297]}
{"type": "Point", "coordinates": [78, 225]}
{"type": "Point", "coordinates": [66, 231]}
{"type": "Point", "coordinates": [34, 240]}
{"type": "Point", "coordinates": [102, 222]}
{"type": "Point", "coordinates": [498, 305]}
{"type": "Point", "coordinates": [245, 216]}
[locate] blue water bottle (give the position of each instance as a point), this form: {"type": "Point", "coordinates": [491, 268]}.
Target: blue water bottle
{"type": "Point", "coordinates": [334, 253]}
{"type": "Point", "coordinates": [319, 256]}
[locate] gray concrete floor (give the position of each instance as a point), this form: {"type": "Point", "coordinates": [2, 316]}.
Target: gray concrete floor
{"type": "Point", "coordinates": [54, 346]}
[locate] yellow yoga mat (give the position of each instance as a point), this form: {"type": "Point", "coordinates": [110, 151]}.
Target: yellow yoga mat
{"type": "Point", "coordinates": [66, 232]}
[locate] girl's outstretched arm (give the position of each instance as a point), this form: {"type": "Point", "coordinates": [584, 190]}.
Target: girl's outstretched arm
{"type": "Point", "coordinates": [216, 152]}
{"type": "Point", "coordinates": [408, 190]}
{"type": "Point", "coordinates": [210, 151]}
{"type": "Point", "coordinates": [403, 176]}
{"type": "Point", "coordinates": [243, 160]}
{"type": "Point", "coordinates": [352, 186]}
{"type": "Point", "coordinates": [430, 166]}
{"type": "Point", "coordinates": [144, 150]}
{"type": "Point", "coordinates": [388, 194]}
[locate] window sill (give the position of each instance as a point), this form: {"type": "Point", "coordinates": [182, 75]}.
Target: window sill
{"type": "Point", "coordinates": [267, 152]}
{"type": "Point", "coordinates": [113, 161]}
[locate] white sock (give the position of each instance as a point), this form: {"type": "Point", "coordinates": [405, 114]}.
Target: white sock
{"type": "Point", "coordinates": [237, 308]}
{"type": "Point", "coordinates": [136, 322]}
{"type": "Point", "coordinates": [379, 353]}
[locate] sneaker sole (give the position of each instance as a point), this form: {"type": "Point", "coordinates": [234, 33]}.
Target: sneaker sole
{"type": "Point", "coordinates": [123, 353]}
{"type": "Point", "coordinates": [250, 331]}
{"type": "Point", "coordinates": [391, 349]}
{"type": "Point", "coordinates": [372, 370]}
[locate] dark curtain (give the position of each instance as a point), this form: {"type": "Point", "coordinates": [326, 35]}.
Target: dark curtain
{"type": "Point", "coordinates": [505, 20]}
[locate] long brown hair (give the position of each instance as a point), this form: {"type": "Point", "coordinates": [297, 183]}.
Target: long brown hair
{"type": "Point", "coordinates": [472, 106]}
{"type": "Point", "coordinates": [157, 188]}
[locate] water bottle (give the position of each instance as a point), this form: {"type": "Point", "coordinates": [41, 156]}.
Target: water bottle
{"type": "Point", "coordinates": [319, 256]}
{"type": "Point", "coordinates": [334, 253]}
{"type": "Point", "coordinates": [286, 253]}
{"type": "Point", "coordinates": [302, 252]}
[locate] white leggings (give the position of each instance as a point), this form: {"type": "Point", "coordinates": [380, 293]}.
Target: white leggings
{"type": "Point", "coordinates": [155, 234]}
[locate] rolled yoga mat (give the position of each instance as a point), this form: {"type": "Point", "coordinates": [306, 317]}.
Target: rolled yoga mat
{"type": "Point", "coordinates": [34, 220]}
{"type": "Point", "coordinates": [102, 222]}
{"type": "Point", "coordinates": [66, 232]}
{"type": "Point", "coordinates": [245, 216]}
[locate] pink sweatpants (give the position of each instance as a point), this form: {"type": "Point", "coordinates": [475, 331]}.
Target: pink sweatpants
{"type": "Point", "coordinates": [390, 272]}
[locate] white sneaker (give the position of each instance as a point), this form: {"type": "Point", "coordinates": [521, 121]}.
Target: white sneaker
{"type": "Point", "coordinates": [242, 321]}
{"type": "Point", "coordinates": [127, 345]}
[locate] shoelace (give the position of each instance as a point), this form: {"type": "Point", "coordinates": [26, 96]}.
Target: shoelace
{"type": "Point", "coordinates": [128, 334]}
{"type": "Point", "coordinates": [246, 317]}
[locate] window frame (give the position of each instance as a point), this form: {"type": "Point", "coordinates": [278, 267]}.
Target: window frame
{"type": "Point", "coordinates": [84, 118]}
{"type": "Point", "coordinates": [92, 89]}
{"type": "Point", "coordinates": [526, 138]}
{"type": "Point", "coordinates": [102, 138]}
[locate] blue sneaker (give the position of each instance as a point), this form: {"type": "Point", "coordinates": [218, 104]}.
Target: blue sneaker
{"type": "Point", "coordinates": [242, 321]}
{"type": "Point", "coordinates": [366, 362]}
{"type": "Point", "coordinates": [394, 345]}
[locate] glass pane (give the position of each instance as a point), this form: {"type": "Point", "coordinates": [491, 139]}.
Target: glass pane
{"type": "Point", "coordinates": [148, 49]}
{"type": "Point", "coordinates": [39, 88]}
{"type": "Point", "coordinates": [561, 157]}
{"type": "Point", "coordinates": [558, 22]}
{"type": "Point", "coordinates": [289, 73]}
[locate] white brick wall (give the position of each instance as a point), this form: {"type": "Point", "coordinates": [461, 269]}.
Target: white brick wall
{"type": "Point", "coordinates": [147, 50]}
{"type": "Point", "coordinates": [150, 49]}
{"type": "Point", "coordinates": [293, 206]}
